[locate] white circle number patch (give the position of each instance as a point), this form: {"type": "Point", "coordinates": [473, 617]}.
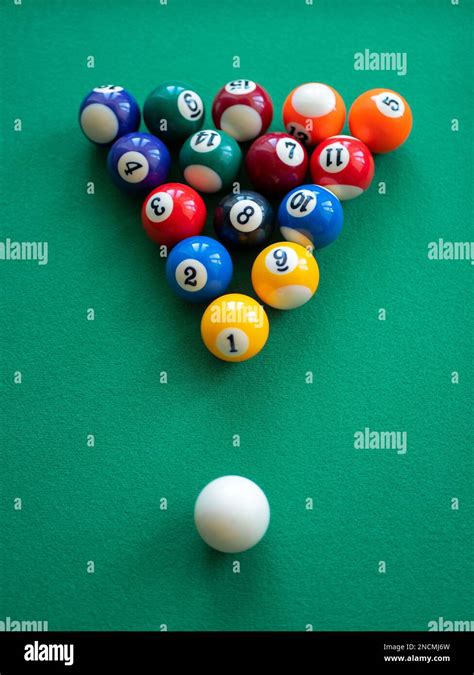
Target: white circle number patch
{"type": "Point", "coordinates": [240, 87]}
{"type": "Point", "coordinates": [191, 275]}
{"type": "Point", "coordinates": [334, 158]}
{"type": "Point", "coordinates": [281, 260]}
{"type": "Point", "coordinates": [233, 342]}
{"type": "Point", "coordinates": [301, 203]}
{"type": "Point", "coordinates": [190, 105]}
{"type": "Point", "coordinates": [108, 88]}
{"type": "Point", "coordinates": [206, 141]}
{"type": "Point", "coordinates": [159, 207]}
{"type": "Point", "coordinates": [389, 104]}
{"type": "Point", "coordinates": [133, 167]}
{"type": "Point", "coordinates": [246, 215]}
{"type": "Point", "coordinates": [290, 151]}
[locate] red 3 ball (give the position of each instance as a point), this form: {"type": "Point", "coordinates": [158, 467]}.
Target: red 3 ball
{"type": "Point", "coordinates": [243, 109]}
{"type": "Point", "coordinates": [173, 212]}
{"type": "Point", "coordinates": [276, 163]}
{"type": "Point", "coordinates": [344, 165]}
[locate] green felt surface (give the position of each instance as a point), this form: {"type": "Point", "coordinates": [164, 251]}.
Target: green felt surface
{"type": "Point", "coordinates": [152, 440]}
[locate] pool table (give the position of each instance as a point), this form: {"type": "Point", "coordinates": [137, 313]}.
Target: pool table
{"type": "Point", "coordinates": [356, 417]}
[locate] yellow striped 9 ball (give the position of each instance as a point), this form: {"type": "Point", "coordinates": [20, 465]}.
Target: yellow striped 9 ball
{"type": "Point", "coordinates": [285, 275]}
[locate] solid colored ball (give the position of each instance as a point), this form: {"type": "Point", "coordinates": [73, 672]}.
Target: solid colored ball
{"type": "Point", "coordinates": [210, 160]}
{"type": "Point", "coordinates": [173, 111]}
{"type": "Point", "coordinates": [381, 118]}
{"type": "Point", "coordinates": [234, 327]}
{"type": "Point", "coordinates": [344, 165]}
{"type": "Point", "coordinates": [199, 269]}
{"type": "Point", "coordinates": [285, 275]}
{"type": "Point", "coordinates": [108, 113]}
{"type": "Point", "coordinates": [172, 212]}
{"type": "Point", "coordinates": [310, 215]}
{"type": "Point", "coordinates": [232, 514]}
{"type": "Point", "coordinates": [313, 111]}
{"type": "Point", "coordinates": [243, 109]}
{"type": "Point", "coordinates": [276, 163]}
{"type": "Point", "coordinates": [138, 162]}
{"type": "Point", "coordinates": [243, 220]}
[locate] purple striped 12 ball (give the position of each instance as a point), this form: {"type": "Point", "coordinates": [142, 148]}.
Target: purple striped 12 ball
{"type": "Point", "coordinates": [138, 162]}
{"type": "Point", "coordinates": [107, 113]}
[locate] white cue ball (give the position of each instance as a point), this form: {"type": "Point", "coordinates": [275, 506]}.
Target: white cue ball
{"type": "Point", "coordinates": [231, 514]}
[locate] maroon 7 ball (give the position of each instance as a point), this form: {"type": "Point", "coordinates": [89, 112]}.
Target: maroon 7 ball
{"type": "Point", "coordinates": [243, 109]}
{"type": "Point", "coordinates": [276, 163]}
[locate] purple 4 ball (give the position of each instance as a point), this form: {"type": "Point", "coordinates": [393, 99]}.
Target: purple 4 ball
{"type": "Point", "coordinates": [138, 162]}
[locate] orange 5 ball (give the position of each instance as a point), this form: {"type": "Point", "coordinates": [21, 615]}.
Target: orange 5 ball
{"type": "Point", "coordinates": [380, 118]}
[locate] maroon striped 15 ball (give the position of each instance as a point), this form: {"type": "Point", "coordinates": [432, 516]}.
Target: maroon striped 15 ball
{"type": "Point", "coordinates": [243, 109]}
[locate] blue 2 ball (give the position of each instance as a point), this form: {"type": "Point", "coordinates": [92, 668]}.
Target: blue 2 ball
{"type": "Point", "coordinates": [199, 269]}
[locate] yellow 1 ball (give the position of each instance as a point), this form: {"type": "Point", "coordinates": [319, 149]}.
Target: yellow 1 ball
{"type": "Point", "coordinates": [285, 275]}
{"type": "Point", "coordinates": [234, 327]}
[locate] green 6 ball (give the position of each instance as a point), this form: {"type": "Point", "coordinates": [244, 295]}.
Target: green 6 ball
{"type": "Point", "coordinates": [210, 160]}
{"type": "Point", "coordinates": [173, 111]}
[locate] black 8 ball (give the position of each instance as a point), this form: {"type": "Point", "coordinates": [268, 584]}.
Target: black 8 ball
{"type": "Point", "coordinates": [243, 220]}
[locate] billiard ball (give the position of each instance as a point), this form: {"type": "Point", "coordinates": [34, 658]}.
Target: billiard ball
{"type": "Point", "coordinates": [243, 109]}
{"type": "Point", "coordinates": [199, 269]}
{"type": "Point", "coordinates": [313, 111]}
{"type": "Point", "coordinates": [234, 327]}
{"type": "Point", "coordinates": [173, 111]}
{"type": "Point", "coordinates": [138, 162]}
{"type": "Point", "coordinates": [232, 514]}
{"type": "Point", "coordinates": [285, 275]}
{"type": "Point", "coordinates": [380, 118]}
{"type": "Point", "coordinates": [310, 215]}
{"type": "Point", "coordinates": [243, 220]}
{"type": "Point", "coordinates": [344, 165]}
{"type": "Point", "coordinates": [107, 113]}
{"type": "Point", "coordinates": [210, 160]}
{"type": "Point", "coordinates": [172, 212]}
{"type": "Point", "coordinates": [276, 163]}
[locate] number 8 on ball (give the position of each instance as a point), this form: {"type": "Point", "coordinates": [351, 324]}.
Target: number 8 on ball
{"type": "Point", "coordinates": [243, 220]}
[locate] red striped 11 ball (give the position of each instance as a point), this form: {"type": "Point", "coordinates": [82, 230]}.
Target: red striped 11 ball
{"type": "Point", "coordinates": [344, 165]}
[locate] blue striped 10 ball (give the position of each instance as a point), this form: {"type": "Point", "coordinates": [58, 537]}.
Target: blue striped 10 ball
{"type": "Point", "coordinates": [310, 215]}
